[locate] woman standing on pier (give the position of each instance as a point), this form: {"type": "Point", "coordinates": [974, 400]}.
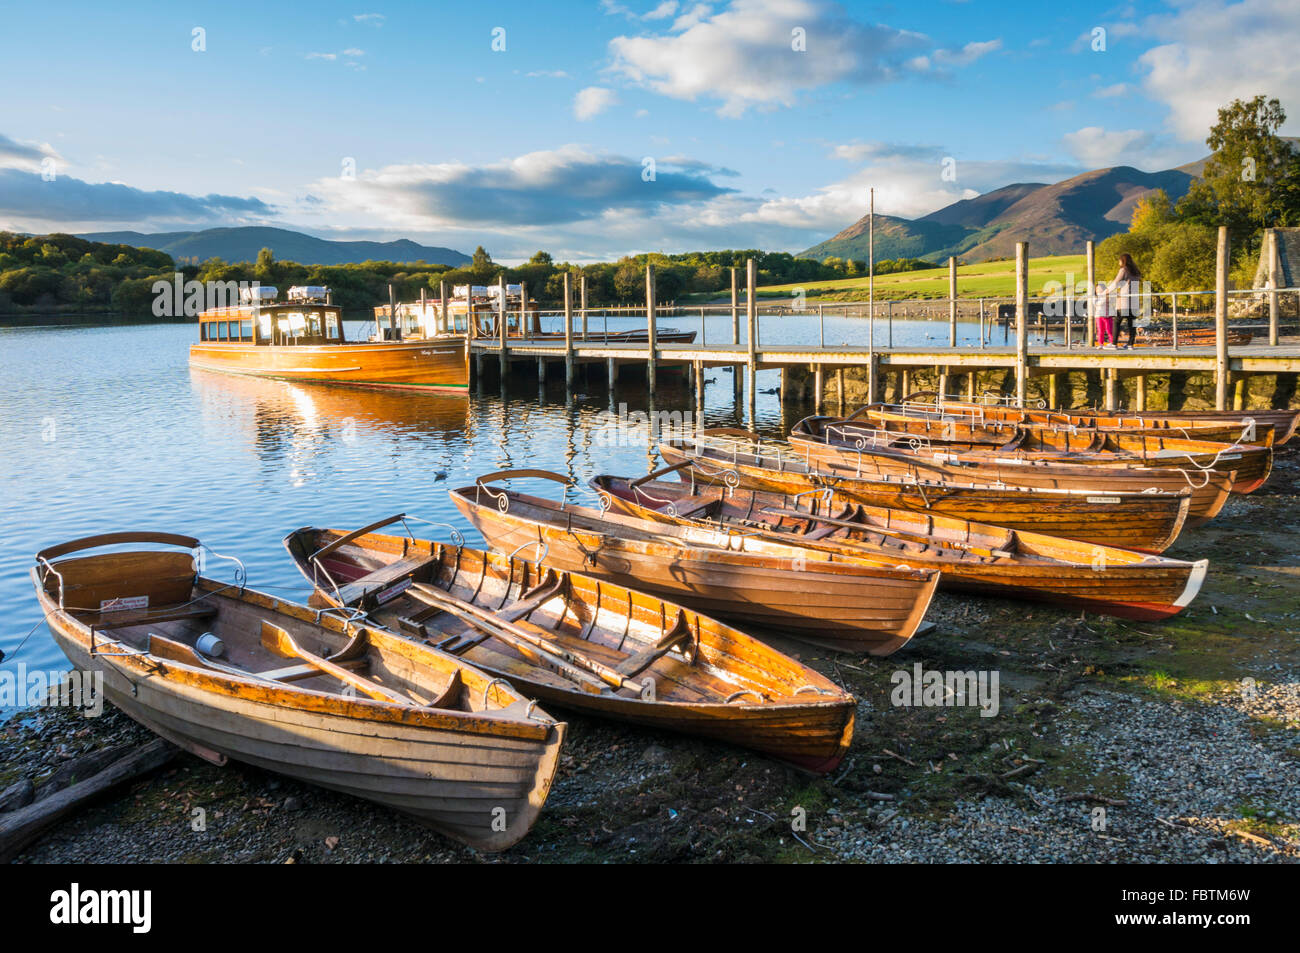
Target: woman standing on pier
{"type": "Point", "coordinates": [1127, 291]}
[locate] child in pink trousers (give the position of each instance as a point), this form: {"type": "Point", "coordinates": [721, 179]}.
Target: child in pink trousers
{"type": "Point", "coordinates": [1104, 311]}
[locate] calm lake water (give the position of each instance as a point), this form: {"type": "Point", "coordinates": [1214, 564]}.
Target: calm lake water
{"type": "Point", "coordinates": [107, 428]}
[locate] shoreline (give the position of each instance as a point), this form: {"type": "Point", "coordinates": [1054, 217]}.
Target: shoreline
{"type": "Point", "coordinates": [1152, 723]}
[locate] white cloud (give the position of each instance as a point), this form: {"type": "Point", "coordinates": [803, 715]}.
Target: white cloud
{"type": "Point", "coordinates": [1113, 91]}
{"type": "Point", "coordinates": [967, 54]}
{"type": "Point", "coordinates": [353, 51]}
{"type": "Point", "coordinates": [745, 55]}
{"type": "Point", "coordinates": [370, 19]}
{"type": "Point", "coordinates": [1099, 148]}
{"type": "Point", "coordinates": [27, 156]}
{"type": "Point", "coordinates": [1213, 52]}
{"type": "Point", "coordinates": [547, 74]}
{"type": "Point", "coordinates": [322, 56]}
{"type": "Point", "coordinates": [694, 15]}
{"type": "Point", "coordinates": [592, 101]}
{"type": "Point", "coordinates": [662, 12]}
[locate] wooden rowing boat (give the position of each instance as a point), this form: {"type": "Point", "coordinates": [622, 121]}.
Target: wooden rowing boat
{"type": "Point", "coordinates": [1209, 489]}
{"type": "Point", "coordinates": [1283, 422]}
{"type": "Point", "coordinates": [972, 557]}
{"type": "Point", "coordinates": [827, 438]}
{"type": "Point", "coordinates": [1129, 520]}
{"type": "Point", "coordinates": [841, 603]}
{"type": "Point", "coordinates": [310, 695]}
{"type": "Point", "coordinates": [1049, 428]}
{"type": "Point", "coordinates": [569, 638]}
{"type": "Point", "coordinates": [1189, 337]}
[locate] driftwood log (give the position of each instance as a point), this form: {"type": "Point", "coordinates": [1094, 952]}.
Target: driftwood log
{"type": "Point", "coordinates": [73, 785]}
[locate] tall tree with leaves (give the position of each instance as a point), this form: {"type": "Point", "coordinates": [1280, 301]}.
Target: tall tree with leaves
{"type": "Point", "coordinates": [1245, 182]}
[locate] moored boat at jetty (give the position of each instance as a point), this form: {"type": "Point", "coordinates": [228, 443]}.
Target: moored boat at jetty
{"type": "Point", "coordinates": [229, 673]}
{"type": "Point", "coordinates": [846, 442]}
{"type": "Point", "coordinates": [303, 339]}
{"type": "Point", "coordinates": [477, 309]}
{"type": "Point", "coordinates": [1146, 521]}
{"type": "Point", "coordinates": [972, 557]}
{"type": "Point", "coordinates": [835, 601]}
{"type": "Point", "coordinates": [581, 642]}
{"type": "Point", "coordinates": [994, 408]}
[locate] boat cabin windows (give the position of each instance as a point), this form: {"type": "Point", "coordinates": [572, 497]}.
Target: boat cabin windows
{"type": "Point", "coordinates": [219, 330]}
{"type": "Point", "coordinates": [281, 326]}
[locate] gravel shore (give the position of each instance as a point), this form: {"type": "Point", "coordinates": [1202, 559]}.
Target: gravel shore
{"type": "Point", "coordinates": [1174, 742]}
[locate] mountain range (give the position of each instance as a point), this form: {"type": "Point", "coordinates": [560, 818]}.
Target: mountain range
{"type": "Point", "coordinates": [1054, 219]}
{"type": "Point", "coordinates": [243, 244]}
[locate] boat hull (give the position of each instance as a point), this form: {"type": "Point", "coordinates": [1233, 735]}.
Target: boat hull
{"type": "Point", "coordinates": [439, 366]}
{"type": "Point", "coordinates": [452, 779]}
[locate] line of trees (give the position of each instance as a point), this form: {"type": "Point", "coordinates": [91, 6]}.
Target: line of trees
{"type": "Point", "coordinates": [54, 273]}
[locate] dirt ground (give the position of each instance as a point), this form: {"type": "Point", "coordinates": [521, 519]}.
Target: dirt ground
{"type": "Point", "coordinates": [1114, 741]}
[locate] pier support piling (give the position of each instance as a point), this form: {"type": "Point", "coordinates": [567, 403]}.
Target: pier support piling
{"type": "Point", "coordinates": [1221, 321]}
{"type": "Point", "coordinates": [651, 308]}
{"type": "Point", "coordinates": [751, 331]}
{"type": "Point", "coordinates": [1022, 328]}
{"type": "Point", "coordinates": [568, 332]}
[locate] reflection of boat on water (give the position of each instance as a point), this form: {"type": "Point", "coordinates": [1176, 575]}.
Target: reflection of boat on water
{"type": "Point", "coordinates": [303, 340]}
{"type": "Point", "coordinates": [482, 303]}
{"type": "Point", "coordinates": [276, 404]}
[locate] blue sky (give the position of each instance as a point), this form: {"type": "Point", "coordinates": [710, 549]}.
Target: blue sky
{"type": "Point", "coordinates": [547, 143]}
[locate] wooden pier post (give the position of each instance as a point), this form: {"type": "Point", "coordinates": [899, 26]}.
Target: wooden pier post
{"type": "Point", "coordinates": [582, 303]}
{"type": "Point", "coordinates": [1090, 334]}
{"type": "Point", "coordinates": [819, 381]}
{"type": "Point", "coordinates": [952, 302]}
{"type": "Point", "coordinates": [1051, 391]}
{"type": "Point", "coordinates": [1022, 329]}
{"type": "Point", "coordinates": [611, 371]}
{"type": "Point", "coordinates": [971, 384]}
{"type": "Point", "coordinates": [1140, 397]}
{"type": "Point", "coordinates": [568, 331]}
{"type": "Point", "coordinates": [650, 316]}
{"type": "Point", "coordinates": [737, 380]}
{"type": "Point", "coordinates": [1221, 322]}
{"type": "Point", "coordinates": [501, 320]}
{"type": "Point", "coordinates": [1112, 378]}
{"type": "Point", "coordinates": [697, 368]}
{"type": "Point", "coordinates": [904, 383]}
{"type": "Point", "coordinates": [751, 330]}
{"type": "Point", "coordinates": [1274, 273]}
{"type": "Point", "coordinates": [442, 309]}
{"type": "Point", "coordinates": [1241, 393]}
{"type": "Point", "coordinates": [839, 388]}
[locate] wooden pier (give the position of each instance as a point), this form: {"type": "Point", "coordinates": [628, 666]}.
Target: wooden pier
{"type": "Point", "coordinates": [1026, 360]}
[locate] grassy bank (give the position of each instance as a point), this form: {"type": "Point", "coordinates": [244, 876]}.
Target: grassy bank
{"type": "Point", "coordinates": [986, 280]}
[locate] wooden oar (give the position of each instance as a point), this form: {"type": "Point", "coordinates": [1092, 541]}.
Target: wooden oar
{"type": "Point", "coordinates": [520, 638]}
{"type": "Point", "coordinates": [281, 643]}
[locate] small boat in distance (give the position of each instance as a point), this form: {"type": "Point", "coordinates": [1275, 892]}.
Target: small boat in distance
{"type": "Point", "coordinates": [302, 339]}
{"type": "Point", "coordinates": [229, 673]}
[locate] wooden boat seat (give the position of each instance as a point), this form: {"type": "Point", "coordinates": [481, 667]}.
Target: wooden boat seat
{"type": "Point", "coordinates": [821, 532]}
{"type": "Point", "coordinates": [638, 663]}
{"type": "Point", "coordinates": [296, 673]}
{"type": "Point", "coordinates": [357, 589]}
{"type": "Point", "coordinates": [691, 512]}
{"type": "Point", "coordinates": [122, 620]}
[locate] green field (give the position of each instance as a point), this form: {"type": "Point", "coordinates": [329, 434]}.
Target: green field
{"type": "Point", "coordinates": [990, 279]}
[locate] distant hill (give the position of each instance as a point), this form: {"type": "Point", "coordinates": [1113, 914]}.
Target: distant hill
{"type": "Point", "coordinates": [1055, 219]}
{"type": "Point", "coordinates": [243, 244]}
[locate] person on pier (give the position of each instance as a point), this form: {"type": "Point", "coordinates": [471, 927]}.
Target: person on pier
{"type": "Point", "coordinates": [1103, 308]}
{"type": "Point", "coordinates": [1127, 296]}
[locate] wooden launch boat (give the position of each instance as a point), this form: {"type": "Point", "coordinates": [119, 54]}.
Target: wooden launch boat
{"type": "Point", "coordinates": [582, 642]}
{"type": "Point", "coordinates": [303, 340]}
{"type": "Point", "coordinates": [827, 438]}
{"type": "Point", "coordinates": [838, 602]}
{"type": "Point", "coordinates": [1129, 520]}
{"type": "Point", "coordinates": [972, 557]}
{"type": "Point", "coordinates": [1283, 422]}
{"type": "Point", "coordinates": [226, 672]}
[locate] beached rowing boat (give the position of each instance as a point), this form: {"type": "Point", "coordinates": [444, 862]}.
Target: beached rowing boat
{"type": "Point", "coordinates": [838, 602]}
{"type": "Point", "coordinates": [972, 557]}
{"type": "Point", "coordinates": [1147, 521]}
{"type": "Point", "coordinates": [581, 642]}
{"type": "Point", "coordinates": [833, 440]}
{"type": "Point", "coordinates": [1283, 422]}
{"type": "Point", "coordinates": [226, 672]}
